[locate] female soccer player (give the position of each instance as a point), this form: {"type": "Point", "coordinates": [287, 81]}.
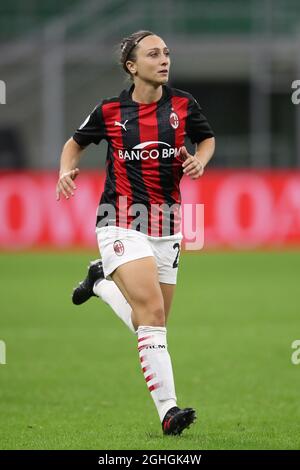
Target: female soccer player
{"type": "Point", "coordinates": [138, 219]}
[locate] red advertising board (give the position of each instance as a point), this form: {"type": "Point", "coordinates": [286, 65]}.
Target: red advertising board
{"type": "Point", "coordinates": [242, 209]}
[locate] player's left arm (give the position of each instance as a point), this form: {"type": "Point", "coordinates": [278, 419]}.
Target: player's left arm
{"type": "Point", "coordinates": [194, 165]}
{"type": "Point", "coordinates": [200, 133]}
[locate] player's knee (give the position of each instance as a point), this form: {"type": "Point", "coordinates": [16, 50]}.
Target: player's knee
{"type": "Point", "coordinates": [149, 309]}
{"type": "Point", "coordinates": [156, 314]}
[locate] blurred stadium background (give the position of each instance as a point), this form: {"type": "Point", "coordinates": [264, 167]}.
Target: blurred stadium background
{"type": "Point", "coordinates": [239, 59]}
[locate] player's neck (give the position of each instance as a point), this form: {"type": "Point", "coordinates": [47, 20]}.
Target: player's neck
{"type": "Point", "coordinates": [146, 93]}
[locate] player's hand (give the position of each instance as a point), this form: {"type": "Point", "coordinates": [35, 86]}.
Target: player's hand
{"type": "Point", "coordinates": [66, 185]}
{"type": "Point", "coordinates": [191, 165]}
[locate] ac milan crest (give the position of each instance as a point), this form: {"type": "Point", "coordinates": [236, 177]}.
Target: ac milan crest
{"type": "Point", "coordinates": [174, 120]}
{"type": "Point", "coordinates": [118, 247]}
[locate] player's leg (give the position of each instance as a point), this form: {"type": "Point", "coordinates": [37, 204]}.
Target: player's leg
{"type": "Point", "coordinates": [168, 291]}
{"type": "Point", "coordinates": [118, 246]}
{"type": "Point", "coordinates": [138, 281]}
{"type": "Point", "coordinates": [96, 285]}
{"type": "Point", "coordinates": [167, 252]}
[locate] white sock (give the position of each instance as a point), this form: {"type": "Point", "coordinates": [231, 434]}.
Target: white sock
{"type": "Point", "coordinates": [157, 367]}
{"type": "Point", "coordinates": [109, 292]}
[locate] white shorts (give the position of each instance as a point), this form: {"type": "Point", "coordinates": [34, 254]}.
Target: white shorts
{"type": "Point", "coordinates": [119, 245]}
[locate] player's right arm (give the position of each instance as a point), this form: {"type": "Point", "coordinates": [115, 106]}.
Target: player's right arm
{"type": "Point", "coordinates": [68, 171]}
{"type": "Point", "coordinates": [92, 130]}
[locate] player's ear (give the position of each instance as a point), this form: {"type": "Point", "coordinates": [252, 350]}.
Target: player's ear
{"type": "Point", "coordinates": [130, 66]}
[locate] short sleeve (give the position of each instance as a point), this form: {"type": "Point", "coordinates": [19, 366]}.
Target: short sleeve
{"type": "Point", "coordinates": [92, 130]}
{"type": "Point", "coordinates": [197, 126]}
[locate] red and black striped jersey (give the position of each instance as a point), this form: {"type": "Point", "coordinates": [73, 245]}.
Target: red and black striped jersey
{"type": "Point", "coordinates": [143, 164]}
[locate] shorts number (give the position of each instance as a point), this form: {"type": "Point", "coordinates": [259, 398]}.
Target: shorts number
{"type": "Point", "coordinates": [176, 246]}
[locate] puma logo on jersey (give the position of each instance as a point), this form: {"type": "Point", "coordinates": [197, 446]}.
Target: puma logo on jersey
{"type": "Point", "coordinates": [121, 125]}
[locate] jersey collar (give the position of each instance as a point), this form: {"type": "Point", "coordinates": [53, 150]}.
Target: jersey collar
{"type": "Point", "coordinates": [126, 95]}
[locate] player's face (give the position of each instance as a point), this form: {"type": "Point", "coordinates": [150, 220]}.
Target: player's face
{"type": "Point", "coordinates": [152, 60]}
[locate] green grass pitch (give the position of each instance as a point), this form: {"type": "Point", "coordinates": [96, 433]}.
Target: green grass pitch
{"type": "Point", "coordinates": [73, 381]}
